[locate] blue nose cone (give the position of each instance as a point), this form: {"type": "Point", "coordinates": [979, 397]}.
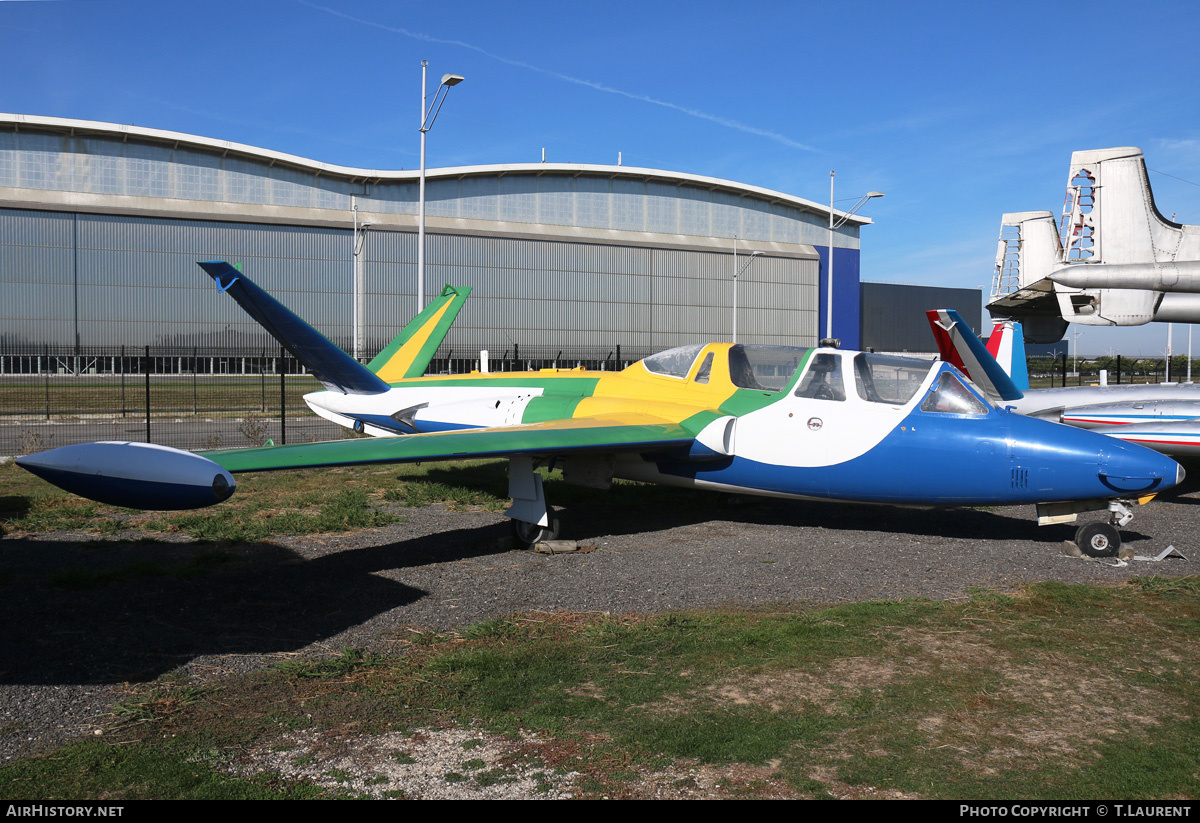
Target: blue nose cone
{"type": "Point", "coordinates": [1127, 468]}
{"type": "Point", "coordinates": [1065, 463]}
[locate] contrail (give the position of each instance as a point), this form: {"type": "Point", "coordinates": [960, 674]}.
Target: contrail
{"type": "Point", "coordinates": [712, 118]}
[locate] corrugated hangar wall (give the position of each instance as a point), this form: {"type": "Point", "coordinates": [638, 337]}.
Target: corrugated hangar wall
{"type": "Point", "coordinates": [893, 315]}
{"type": "Point", "coordinates": [104, 280]}
{"type": "Point", "coordinates": [101, 226]}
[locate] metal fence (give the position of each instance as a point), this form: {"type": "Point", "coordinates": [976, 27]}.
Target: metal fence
{"type": "Point", "coordinates": [212, 397]}
{"type": "Point", "coordinates": [1059, 370]}
{"type": "Point", "coordinates": [198, 397]}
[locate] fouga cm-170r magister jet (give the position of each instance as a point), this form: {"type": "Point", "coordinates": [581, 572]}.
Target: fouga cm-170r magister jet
{"type": "Point", "coordinates": [820, 424]}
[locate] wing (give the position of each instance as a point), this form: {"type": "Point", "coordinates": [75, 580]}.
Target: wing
{"type": "Point", "coordinates": [558, 437]}
{"type": "Point", "coordinates": [146, 476]}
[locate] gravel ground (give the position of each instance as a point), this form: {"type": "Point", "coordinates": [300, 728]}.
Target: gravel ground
{"type": "Point", "coordinates": [69, 653]}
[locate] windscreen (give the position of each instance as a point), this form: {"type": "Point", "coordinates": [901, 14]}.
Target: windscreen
{"type": "Point", "coordinates": [676, 362]}
{"type": "Point", "coordinates": [950, 396]}
{"type": "Point", "coordinates": [882, 378]}
{"type": "Point", "coordinates": [766, 368]}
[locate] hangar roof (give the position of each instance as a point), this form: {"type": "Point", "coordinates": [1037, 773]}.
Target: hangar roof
{"type": "Point", "coordinates": [225, 148]}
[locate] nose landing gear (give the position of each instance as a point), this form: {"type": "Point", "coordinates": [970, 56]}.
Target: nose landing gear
{"type": "Point", "coordinates": [1098, 539]}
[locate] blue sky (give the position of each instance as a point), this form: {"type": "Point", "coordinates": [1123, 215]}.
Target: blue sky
{"type": "Point", "coordinates": [959, 112]}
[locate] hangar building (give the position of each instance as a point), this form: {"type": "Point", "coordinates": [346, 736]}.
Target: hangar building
{"type": "Point", "coordinates": [101, 226]}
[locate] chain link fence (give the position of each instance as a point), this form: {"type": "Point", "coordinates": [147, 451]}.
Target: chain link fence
{"type": "Point", "coordinates": [198, 397]}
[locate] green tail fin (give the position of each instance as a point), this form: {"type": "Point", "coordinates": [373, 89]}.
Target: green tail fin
{"type": "Point", "coordinates": [408, 355]}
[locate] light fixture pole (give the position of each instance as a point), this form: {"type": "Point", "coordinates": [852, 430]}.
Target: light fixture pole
{"type": "Point", "coordinates": [358, 242]}
{"type": "Point", "coordinates": [428, 115]}
{"type": "Point", "coordinates": [737, 273]}
{"type": "Point", "coordinates": [829, 264]}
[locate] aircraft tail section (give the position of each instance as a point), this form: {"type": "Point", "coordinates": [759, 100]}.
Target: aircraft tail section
{"type": "Point", "coordinates": [408, 355]}
{"type": "Point", "coordinates": [337, 370]}
{"type": "Point", "coordinates": [960, 347]}
{"type": "Point", "coordinates": [1111, 259]}
{"type": "Point", "coordinates": [1027, 251]}
{"type": "Point", "coordinates": [1007, 345]}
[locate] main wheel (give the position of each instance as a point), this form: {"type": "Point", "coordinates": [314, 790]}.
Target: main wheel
{"type": "Point", "coordinates": [1098, 539]}
{"type": "Point", "coordinates": [530, 534]}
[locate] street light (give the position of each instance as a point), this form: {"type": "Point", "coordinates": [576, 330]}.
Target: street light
{"type": "Point", "coordinates": [832, 226]}
{"type": "Point", "coordinates": [428, 115]}
{"type": "Point", "coordinates": [358, 241]}
{"type": "Point", "coordinates": [737, 273]}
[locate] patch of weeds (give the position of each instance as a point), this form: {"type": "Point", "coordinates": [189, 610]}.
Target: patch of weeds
{"type": "Point", "coordinates": [346, 510]}
{"type": "Point", "coordinates": [675, 620]}
{"type": "Point", "coordinates": [161, 702]}
{"type": "Point", "coordinates": [498, 628]}
{"type": "Point", "coordinates": [253, 429]}
{"type": "Point", "coordinates": [542, 784]}
{"type": "Point", "coordinates": [473, 743]}
{"type": "Point", "coordinates": [348, 662]}
{"type": "Point", "coordinates": [492, 777]}
{"type": "Point", "coordinates": [31, 441]}
{"type": "Point", "coordinates": [89, 770]}
{"type": "Point", "coordinates": [1165, 585]}
{"type": "Point", "coordinates": [404, 758]}
{"type": "Point", "coordinates": [340, 775]}
{"type": "Point", "coordinates": [453, 777]}
{"type": "Point", "coordinates": [415, 494]}
{"type": "Point", "coordinates": [473, 765]}
{"type": "Point", "coordinates": [52, 513]}
{"type": "Point", "coordinates": [610, 629]}
{"type": "Point", "coordinates": [349, 509]}
{"type": "Point", "coordinates": [427, 637]}
{"type": "Point", "coordinates": [289, 722]}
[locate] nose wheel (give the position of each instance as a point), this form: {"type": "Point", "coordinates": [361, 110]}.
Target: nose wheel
{"type": "Point", "coordinates": [1098, 539]}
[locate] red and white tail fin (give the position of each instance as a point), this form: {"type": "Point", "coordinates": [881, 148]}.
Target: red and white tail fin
{"type": "Point", "coordinates": [1007, 345]}
{"type": "Point", "coordinates": [960, 348]}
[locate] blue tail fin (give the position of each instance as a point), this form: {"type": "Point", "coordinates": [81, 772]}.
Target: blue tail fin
{"type": "Point", "coordinates": [337, 370]}
{"type": "Point", "coordinates": [960, 347]}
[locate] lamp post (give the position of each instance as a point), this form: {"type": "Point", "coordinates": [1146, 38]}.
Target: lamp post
{"type": "Point", "coordinates": [829, 266]}
{"type": "Point", "coordinates": [737, 273]}
{"type": "Point", "coordinates": [1075, 357]}
{"type": "Point", "coordinates": [358, 242]}
{"type": "Point", "coordinates": [428, 115]}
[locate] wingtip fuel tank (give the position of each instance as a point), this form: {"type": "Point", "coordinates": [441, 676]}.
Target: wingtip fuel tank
{"type": "Point", "coordinates": [133, 475]}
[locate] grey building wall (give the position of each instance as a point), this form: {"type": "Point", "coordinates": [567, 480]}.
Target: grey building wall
{"type": "Point", "coordinates": [893, 316]}
{"type": "Point", "coordinates": [105, 280]}
{"type": "Point", "coordinates": [101, 227]}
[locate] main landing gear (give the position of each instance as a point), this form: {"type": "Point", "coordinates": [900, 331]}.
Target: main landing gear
{"type": "Point", "coordinates": [532, 520]}
{"type": "Point", "coordinates": [529, 535]}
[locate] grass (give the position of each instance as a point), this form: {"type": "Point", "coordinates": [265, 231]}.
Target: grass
{"type": "Point", "coordinates": [1052, 693]}
{"type": "Point", "coordinates": [265, 505]}
{"type": "Point", "coordinates": [313, 501]}
{"type": "Point", "coordinates": [1056, 692]}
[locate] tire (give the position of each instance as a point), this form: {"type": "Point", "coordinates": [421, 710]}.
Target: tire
{"type": "Point", "coordinates": [530, 534]}
{"type": "Point", "coordinates": [1098, 540]}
